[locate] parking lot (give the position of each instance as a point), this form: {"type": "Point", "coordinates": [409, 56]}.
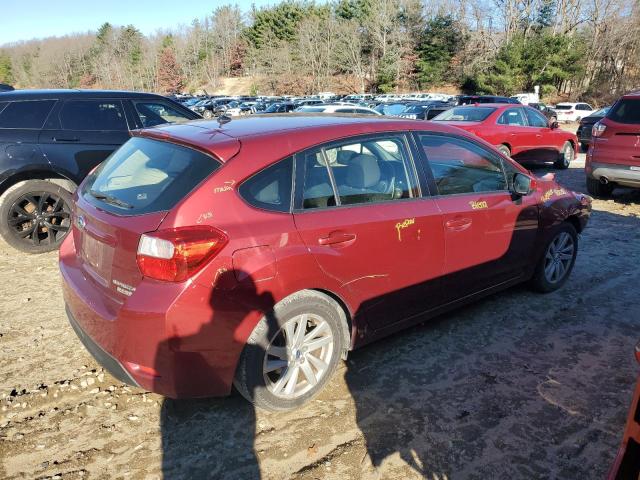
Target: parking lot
{"type": "Point", "coordinates": [520, 385]}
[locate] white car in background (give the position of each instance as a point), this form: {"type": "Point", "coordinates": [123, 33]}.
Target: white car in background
{"type": "Point", "coordinates": [573, 112]}
{"type": "Point", "coordinates": [336, 108]}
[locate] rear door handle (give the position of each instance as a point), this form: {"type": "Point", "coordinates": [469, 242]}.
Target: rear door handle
{"type": "Point", "coordinates": [458, 224]}
{"type": "Point", "coordinates": [336, 238]}
{"type": "Point", "coordinates": [60, 139]}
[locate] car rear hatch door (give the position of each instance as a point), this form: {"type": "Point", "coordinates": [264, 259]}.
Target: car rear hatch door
{"type": "Point", "coordinates": [128, 195]}
{"type": "Point", "coordinates": [620, 141]}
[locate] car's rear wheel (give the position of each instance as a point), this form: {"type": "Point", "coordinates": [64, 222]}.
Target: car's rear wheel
{"type": "Point", "coordinates": [207, 114]}
{"type": "Point", "coordinates": [565, 156]}
{"type": "Point", "coordinates": [599, 189]}
{"type": "Point", "coordinates": [35, 216]}
{"type": "Point", "coordinates": [558, 259]}
{"type": "Point", "coordinates": [292, 353]}
{"type": "Point", "coordinates": [505, 150]}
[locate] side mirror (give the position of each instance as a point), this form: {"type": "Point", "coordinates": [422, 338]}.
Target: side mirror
{"type": "Point", "coordinates": [554, 125]}
{"type": "Point", "coordinates": [522, 184]}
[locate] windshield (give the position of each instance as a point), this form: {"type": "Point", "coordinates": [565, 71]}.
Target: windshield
{"type": "Point", "coordinates": [465, 114]}
{"type": "Point", "coordinates": [311, 109]}
{"type": "Point", "coordinates": [146, 175]}
{"type": "Point", "coordinates": [415, 108]}
{"type": "Point", "coordinates": [391, 109]}
{"type": "Point", "coordinates": [273, 108]}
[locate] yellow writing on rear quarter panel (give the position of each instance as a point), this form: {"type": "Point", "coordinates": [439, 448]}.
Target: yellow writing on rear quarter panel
{"type": "Point", "coordinates": [402, 225]}
{"type": "Point", "coordinates": [479, 205]}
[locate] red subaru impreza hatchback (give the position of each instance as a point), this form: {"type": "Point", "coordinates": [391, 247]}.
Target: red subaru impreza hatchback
{"type": "Point", "coordinates": [258, 252]}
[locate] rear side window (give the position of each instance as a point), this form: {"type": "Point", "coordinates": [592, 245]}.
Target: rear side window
{"type": "Point", "coordinates": [157, 113]}
{"type": "Point", "coordinates": [29, 114]}
{"type": "Point", "coordinates": [93, 115]}
{"type": "Point", "coordinates": [146, 176]}
{"type": "Point", "coordinates": [626, 110]}
{"type": "Point", "coordinates": [461, 167]}
{"type": "Point", "coordinates": [270, 189]}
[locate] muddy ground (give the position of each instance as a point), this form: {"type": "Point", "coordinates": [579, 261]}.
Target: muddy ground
{"type": "Point", "coordinates": [520, 385]}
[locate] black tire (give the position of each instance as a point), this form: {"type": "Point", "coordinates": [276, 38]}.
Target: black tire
{"type": "Point", "coordinates": [597, 189]}
{"type": "Point", "coordinates": [250, 377]}
{"type": "Point", "coordinates": [505, 150]}
{"type": "Point", "coordinates": [35, 216]}
{"type": "Point", "coordinates": [584, 146]}
{"type": "Point", "coordinates": [540, 281]}
{"type": "Point", "coordinates": [565, 156]}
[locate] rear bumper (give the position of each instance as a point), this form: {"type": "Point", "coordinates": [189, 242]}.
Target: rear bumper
{"type": "Point", "coordinates": [620, 174]}
{"type": "Point", "coordinates": [111, 364]}
{"type": "Point", "coordinates": [141, 343]}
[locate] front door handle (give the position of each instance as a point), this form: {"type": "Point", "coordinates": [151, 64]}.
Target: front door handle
{"type": "Point", "coordinates": [336, 238]}
{"type": "Point", "coordinates": [60, 139]}
{"type": "Point", "coordinates": [458, 224]}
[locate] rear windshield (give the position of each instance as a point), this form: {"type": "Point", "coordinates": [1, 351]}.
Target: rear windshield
{"type": "Point", "coordinates": [626, 110]}
{"type": "Point", "coordinates": [563, 107]}
{"type": "Point", "coordinates": [146, 176]}
{"type": "Point", "coordinates": [465, 114]}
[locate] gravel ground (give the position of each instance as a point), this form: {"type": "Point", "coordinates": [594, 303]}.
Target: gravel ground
{"type": "Point", "coordinates": [519, 385]}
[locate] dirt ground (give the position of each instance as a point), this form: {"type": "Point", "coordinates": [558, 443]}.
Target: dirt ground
{"type": "Point", "coordinates": [520, 385]}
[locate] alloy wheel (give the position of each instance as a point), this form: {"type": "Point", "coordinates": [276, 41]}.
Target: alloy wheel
{"type": "Point", "coordinates": [39, 218]}
{"type": "Point", "coordinates": [299, 356]}
{"type": "Point", "coordinates": [568, 155]}
{"type": "Point", "coordinates": [558, 257]}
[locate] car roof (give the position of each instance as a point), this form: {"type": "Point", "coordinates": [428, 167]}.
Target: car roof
{"type": "Point", "coordinates": [277, 131]}
{"type": "Point", "coordinates": [632, 94]}
{"type": "Point", "coordinates": [72, 93]}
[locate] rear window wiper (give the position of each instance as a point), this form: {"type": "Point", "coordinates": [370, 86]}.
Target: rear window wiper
{"type": "Point", "coordinates": [109, 199]}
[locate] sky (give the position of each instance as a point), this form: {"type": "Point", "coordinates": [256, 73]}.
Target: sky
{"type": "Point", "coordinates": [27, 19]}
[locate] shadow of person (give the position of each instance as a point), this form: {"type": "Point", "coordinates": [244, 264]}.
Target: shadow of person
{"type": "Point", "coordinates": [209, 437]}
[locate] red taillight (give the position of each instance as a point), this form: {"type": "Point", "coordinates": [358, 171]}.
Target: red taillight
{"type": "Point", "coordinates": [173, 255]}
{"type": "Point", "coordinates": [638, 352]}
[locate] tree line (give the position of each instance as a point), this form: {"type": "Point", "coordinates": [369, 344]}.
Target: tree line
{"type": "Point", "coordinates": [588, 49]}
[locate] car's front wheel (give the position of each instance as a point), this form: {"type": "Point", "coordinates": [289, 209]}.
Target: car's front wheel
{"type": "Point", "coordinates": [505, 150]}
{"type": "Point", "coordinates": [35, 216]}
{"type": "Point", "coordinates": [208, 114]}
{"type": "Point", "coordinates": [565, 156]}
{"type": "Point", "coordinates": [557, 261]}
{"type": "Point", "coordinates": [292, 353]}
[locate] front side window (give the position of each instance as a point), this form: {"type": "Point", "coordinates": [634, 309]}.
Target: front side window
{"type": "Point", "coordinates": [367, 171]}
{"type": "Point", "coordinates": [28, 114]}
{"type": "Point", "coordinates": [157, 113]}
{"type": "Point", "coordinates": [93, 115]}
{"type": "Point", "coordinates": [535, 118]}
{"type": "Point", "coordinates": [146, 175]}
{"type": "Point", "coordinates": [513, 117]}
{"type": "Point", "coordinates": [270, 188]}
{"type": "Point", "coordinates": [460, 166]}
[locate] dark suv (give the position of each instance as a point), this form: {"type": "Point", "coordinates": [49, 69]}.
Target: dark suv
{"type": "Point", "coordinates": [50, 140]}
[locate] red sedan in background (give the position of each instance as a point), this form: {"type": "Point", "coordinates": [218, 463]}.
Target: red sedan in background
{"type": "Point", "coordinates": [627, 463]}
{"type": "Point", "coordinates": [518, 131]}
